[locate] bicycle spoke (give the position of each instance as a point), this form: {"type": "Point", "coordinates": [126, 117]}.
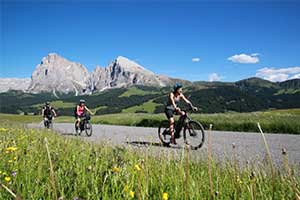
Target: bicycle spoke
{"type": "Point", "coordinates": [194, 134]}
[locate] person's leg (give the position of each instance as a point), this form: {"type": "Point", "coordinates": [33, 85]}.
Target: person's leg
{"type": "Point", "coordinates": [77, 122]}
{"type": "Point", "coordinates": [171, 121]}
{"type": "Point", "coordinates": [45, 120]}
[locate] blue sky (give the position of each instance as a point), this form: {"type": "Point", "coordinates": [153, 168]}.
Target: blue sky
{"type": "Point", "coordinates": [232, 40]}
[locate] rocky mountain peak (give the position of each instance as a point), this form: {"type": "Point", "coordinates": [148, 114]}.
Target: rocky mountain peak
{"type": "Point", "coordinates": [51, 57]}
{"type": "Point", "coordinates": [56, 74]}
{"type": "Point", "coordinates": [128, 64]}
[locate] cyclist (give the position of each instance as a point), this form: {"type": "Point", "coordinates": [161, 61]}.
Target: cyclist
{"type": "Point", "coordinates": [172, 108]}
{"type": "Point", "coordinates": [80, 112]}
{"type": "Point", "coordinates": [48, 112]}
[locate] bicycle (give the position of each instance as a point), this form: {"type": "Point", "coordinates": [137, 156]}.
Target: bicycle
{"type": "Point", "coordinates": [48, 122]}
{"type": "Point", "coordinates": [193, 132]}
{"type": "Point", "coordinates": [84, 125]}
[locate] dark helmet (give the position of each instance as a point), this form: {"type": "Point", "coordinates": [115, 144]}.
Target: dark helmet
{"type": "Point", "coordinates": [81, 101]}
{"type": "Point", "coordinates": [177, 86]}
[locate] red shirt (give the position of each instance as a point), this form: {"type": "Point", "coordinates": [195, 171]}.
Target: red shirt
{"type": "Point", "coordinates": [80, 110]}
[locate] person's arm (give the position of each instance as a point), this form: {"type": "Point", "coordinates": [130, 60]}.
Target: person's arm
{"type": "Point", "coordinates": [188, 102]}
{"type": "Point", "coordinates": [89, 110]}
{"type": "Point", "coordinates": [171, 96]}
{"type": "Point", "coordinates": [53, 110]}
{"type": "Point", "coordinates": [77, 110]}
{"type": "Point", "coordinates": [43, 111]}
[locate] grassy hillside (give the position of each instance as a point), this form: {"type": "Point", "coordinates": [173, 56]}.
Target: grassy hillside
{"type": "Point", "coordinates": [212, 97]}
{"type": "Point", "coordinates": [139, 91]}
{"type": "Point", "coordinates": [147, 107]}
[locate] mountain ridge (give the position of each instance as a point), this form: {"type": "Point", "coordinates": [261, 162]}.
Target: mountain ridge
{"type": "Point", "coordinates": [58, 74]}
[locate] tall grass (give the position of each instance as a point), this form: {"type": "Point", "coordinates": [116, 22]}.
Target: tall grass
{"type": "Point", "coordinates": [69, 168]}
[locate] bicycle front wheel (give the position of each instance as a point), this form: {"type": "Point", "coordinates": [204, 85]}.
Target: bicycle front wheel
{"type": "Point", "coordinates": [88, 129]}
{"type": "Point", "coordinates": [194, 134]}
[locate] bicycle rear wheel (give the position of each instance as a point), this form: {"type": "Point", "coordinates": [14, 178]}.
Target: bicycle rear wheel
{"type": "Point", "coordinates": [88, 128]}
{"type": "Point", "coordinates": [164, 133]}
{"type": "Point", "coordinates": [194, 134]}
{"type": "Point", "coordinates": [50, 124]}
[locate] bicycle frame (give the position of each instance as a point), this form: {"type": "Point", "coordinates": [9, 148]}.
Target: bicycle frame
{"type": "Point", "coordinates": [82, 123]}
{"type": "Point", "coordinates": [183, 120]}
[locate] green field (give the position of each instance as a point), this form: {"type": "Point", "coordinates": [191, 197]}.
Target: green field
{"type": "Point", "coordinates": [39, 164]}
{"type": "Point", "coordinates": [136, 91]}
{"type": "Point", "coordinates": [56, 104]}
{"type": "Point", "coordinates": [6, 118]}
{"type": "Point", "coordinates": [147, 107]}
{"type": "Point", "coordinates": [273, 121]}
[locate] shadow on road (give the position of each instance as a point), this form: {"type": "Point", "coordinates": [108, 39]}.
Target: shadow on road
{"type": "Point", "coordinates": [68, 134]}
{"type": "Point", "coordinates": [145, 144]}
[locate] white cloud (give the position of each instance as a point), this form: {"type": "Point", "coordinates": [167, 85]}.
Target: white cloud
{"type": "Point", "coordinates": [244, 58]}
{"type": "Point", "coordinates": [295, 76]}
{"type": "Point", "coordinates": [214, 77]}
{"type": "Point", "coordinates": [280, 74]}
{"type": "Point", "coordinates": [195, 59]}
{"type": "Point", "coordinates": [255, 54]}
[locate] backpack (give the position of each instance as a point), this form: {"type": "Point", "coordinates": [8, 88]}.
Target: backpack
{"type": "Point", "coordinates": [47, 110]}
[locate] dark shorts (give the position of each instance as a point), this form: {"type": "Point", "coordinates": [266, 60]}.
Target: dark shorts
{"type": "Point", "coordinates": [49, 117]}
{"type": "Point", "coordinates": [80, 116]}
{"type": "Point", "coordinates": [84, 116]}
{"type": "Point", "coordinates": [169, 113]}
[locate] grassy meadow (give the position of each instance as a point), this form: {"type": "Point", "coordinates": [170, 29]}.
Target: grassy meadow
{"type": "Point", "coordinates": [273, 121]}
{"type": "Point", "coordinates": [39, 164]}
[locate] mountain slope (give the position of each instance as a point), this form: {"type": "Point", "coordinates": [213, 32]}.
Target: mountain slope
{"type": "Point", "coordinates": [210, 97]}
{"type": "Point", "coordinates": [57, 74]}
{"type": "Point", "coordinates": [7, 84]}
{"type": "Point", "coordinates": [123, 72]}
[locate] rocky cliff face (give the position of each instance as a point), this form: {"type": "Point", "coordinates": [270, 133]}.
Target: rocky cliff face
{"type": "Point", "coordinates": [14, 84]}
{"type": "Point", "coordinates": [123, 72]}
{"type": "Point", "coordinates": [57, 74]}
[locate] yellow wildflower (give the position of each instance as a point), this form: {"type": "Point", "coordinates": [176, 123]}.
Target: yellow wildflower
{"type": "Point", "coordinates": [11, 148]}
{"type": "Point", "coordinates": [15, 158]}
{"type": "Point", "coordinates": [239, 180]}
{"type": "Point", "coordinates": [3, 129]}
{"type": "Point", "coordinates": [7, 178]}
{"type": "Point", "coordinates": [126, 188]}
{"type": "Point", "coordinates": [10, 161]}
{"type": "Point", "coordinates": [131, 193]}
{"type": "Point", "coordinates": [116, 169]}
{"type": "Point", "coordinates": [137, 167]}
{"type": "Point", "coordinates": [165, 196]}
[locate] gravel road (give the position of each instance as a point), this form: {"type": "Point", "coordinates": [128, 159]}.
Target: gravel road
{"type": "Point", "coordinates": [249, 147]}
